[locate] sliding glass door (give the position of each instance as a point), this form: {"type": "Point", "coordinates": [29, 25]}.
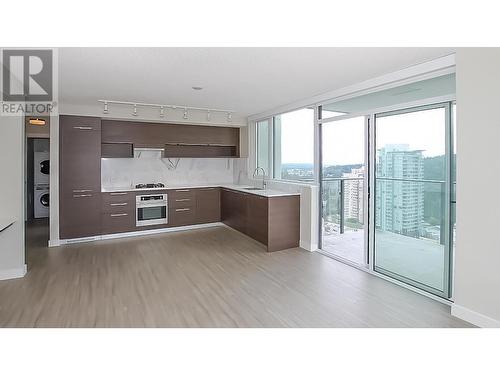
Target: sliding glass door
{"type": "Point", "coordinates": [343, 189]}
{"type": "Point", "coordinates": [412, 197]}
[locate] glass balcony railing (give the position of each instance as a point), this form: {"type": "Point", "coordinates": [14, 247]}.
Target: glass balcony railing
{"type": "Point", "coordinates": [343, 204]}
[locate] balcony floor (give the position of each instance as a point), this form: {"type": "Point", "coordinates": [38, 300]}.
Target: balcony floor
{"type": "Point", "coordinates": [421, 259]}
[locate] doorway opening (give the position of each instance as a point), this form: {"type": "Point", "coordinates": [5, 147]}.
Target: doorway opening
{"type": "Point", "coordinates": [37, 183]}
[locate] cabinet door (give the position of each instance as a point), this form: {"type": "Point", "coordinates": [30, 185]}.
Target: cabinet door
{"type": "Point", "coordinates": [208, 208]}
{"type": "Point", "coordinates": [257, 221]}
{"type": "Point", "coordinates": [80, 215]}
{"type": "Point", "coordinates": [80, 154]}
{"type": "Point", "coordinates": [181, 216]}
{"type": "Point", "coordinates": [234, 210]}
{"type": "Point", "coordinates": [80, 176]}
{"type": "Point", "coordinates": [118, 222]}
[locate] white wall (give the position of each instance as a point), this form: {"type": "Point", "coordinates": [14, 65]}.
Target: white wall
{"type": "Point", "coordinates": [477, 276]}
{"type": "Point", "coordinates": [12, 260]}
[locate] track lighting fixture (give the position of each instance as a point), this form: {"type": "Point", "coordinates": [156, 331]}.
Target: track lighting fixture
{"type": "Point", "coordinates": [164, 107]}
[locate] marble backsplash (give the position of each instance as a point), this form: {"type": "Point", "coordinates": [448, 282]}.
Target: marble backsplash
{"type": "Point", "coordinates": [119, 173]}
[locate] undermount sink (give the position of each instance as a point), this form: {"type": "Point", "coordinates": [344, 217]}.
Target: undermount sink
{"type": "Point", "coordinates": [253, 188]}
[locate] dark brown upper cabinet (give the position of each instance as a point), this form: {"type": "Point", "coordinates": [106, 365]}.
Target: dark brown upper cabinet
{"type": "Point", "coordinates": [117, 150]}
{"type": "Point", "coordinates": [80, 153]}
{"type": "Point", "coordinates": [178, 140]}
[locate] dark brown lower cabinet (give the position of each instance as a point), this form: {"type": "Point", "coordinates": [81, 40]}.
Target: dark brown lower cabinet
{"type": "Point", "coordinates": [273, 221]}
{"type": "Point", "coordinates": [207, 205]}
{"type": "Point", "coordinates": [258, 225]}
{"type": "Point", "coordinates": [80, 215]}
{"type": "Point", "coordinates": [181, 216]}
{"type": "Point", "coordinates": [118, 212]}
{"type": "Point", "coordinates": [118, 222]}
{"type": "Point", "coordinates": [234, 209]}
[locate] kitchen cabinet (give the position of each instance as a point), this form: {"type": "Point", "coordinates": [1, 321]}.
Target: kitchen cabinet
{"type": "Point", "coordinates": [273, 221]}
{"type": "Point", "coordinates": [178, 140]}
{"type": "Point", "coordinates": [207, 205]}
{"type": "Point", "coordinates": [257, 223]}
{"type": "Point", "coordinates": [79, 176]}
{"type": "Point", "coordinates": [117, 150]}
{"type": "Point", "coordinates": [181, 216]}
{"type": "Point", "coordinates": [234, 209]}
{"type": "Point", "coordinates": [118, 212]}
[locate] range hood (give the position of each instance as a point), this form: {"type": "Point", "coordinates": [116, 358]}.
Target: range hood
{"type": "Point", "coordinates": [148, 152]}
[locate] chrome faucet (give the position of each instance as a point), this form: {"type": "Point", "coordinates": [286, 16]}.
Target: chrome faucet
{"type": "Point", "coordinates": [256, 173]}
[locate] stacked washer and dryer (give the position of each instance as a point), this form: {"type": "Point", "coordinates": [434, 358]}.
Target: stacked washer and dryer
{"type": "Point", "coordinates": [41, 165]}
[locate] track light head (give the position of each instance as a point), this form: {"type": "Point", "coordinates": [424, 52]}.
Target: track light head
{"type": "Point", "coordinates": [208, 115]}
{"type": "Point", "coordinates": [106, 110]}
{"type": "Point", "coordinates": [185, 114]}
{"type": "Point", "coordinates": [229, 116]}
{"type": "Point", "coordinates": [162, 112]}
{"type": "Point", "coordinates": [135, 110]}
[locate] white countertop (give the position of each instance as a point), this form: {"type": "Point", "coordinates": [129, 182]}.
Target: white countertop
{"type": "Point", "coordinates": [263, 193]}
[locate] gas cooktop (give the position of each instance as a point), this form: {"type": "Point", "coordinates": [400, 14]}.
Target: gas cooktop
{"type": "Point", "coordinates": [149, 186]}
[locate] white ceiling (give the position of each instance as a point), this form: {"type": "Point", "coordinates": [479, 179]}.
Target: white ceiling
{"type": "Point", "coordinates": [247, 80]}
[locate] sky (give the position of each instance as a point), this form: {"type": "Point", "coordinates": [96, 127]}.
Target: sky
{"type": "Point", "coordinates": [343, 140]}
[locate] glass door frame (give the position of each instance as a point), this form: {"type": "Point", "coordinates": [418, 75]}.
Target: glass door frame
{"type": "Point", "coordinates": [448, 251]}
{"type": "Point", "coordinates": [366, 195]}
{"type": "Point", "coordinates": [369, 205]}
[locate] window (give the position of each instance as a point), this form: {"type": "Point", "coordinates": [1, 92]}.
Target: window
{"type": "Point", "coordinates": [293, 135]}
{"type": "Point", "coordinates": [285, 145]}
{"type": "Point", "coordinates": [263, 143]}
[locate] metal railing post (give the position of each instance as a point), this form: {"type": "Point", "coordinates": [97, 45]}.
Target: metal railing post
{"type": "Point", "coordinates": [341, 206]}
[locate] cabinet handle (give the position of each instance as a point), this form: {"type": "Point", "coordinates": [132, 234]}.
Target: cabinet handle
{"type": "Point", "coordinates": [82, 191]}
{"type": "Point", "coordinates": [183, 200]}
{"type": "Point", "coordinates": [183, 190]}
{"type": "Point", "coordinates": [81, 195]}
{"type": "Point", "coordinates": [117, 215]}
{"type": "Point", "coordinates": [83, 127]}
{"type": "Point", "coordinates": [118, 204]}
{"type": "Point", "coordinates": [182, 209]}
{"type": "Point", "coordinates": [118, 193]}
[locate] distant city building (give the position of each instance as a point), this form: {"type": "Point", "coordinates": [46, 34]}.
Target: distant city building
{"type": "Point", "coordinates": [400, 204]}
{"type": "Point", "coordinates": [353, 194]}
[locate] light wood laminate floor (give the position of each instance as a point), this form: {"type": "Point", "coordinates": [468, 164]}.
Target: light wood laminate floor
{"type": "Point", "coordinates": [212, 277]}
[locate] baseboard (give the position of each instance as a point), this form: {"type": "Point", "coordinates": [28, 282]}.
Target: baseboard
{"type": "Point", "coordinates": [13, 273]}
{"type": "Point", "coordinates": [54, 243]}
{"type": "Point", "coordinates": [309, 246]}
{"type": "Point", "coordinates": [474, 317]}
{"type": "Point", "coordinates": [134, 234]}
